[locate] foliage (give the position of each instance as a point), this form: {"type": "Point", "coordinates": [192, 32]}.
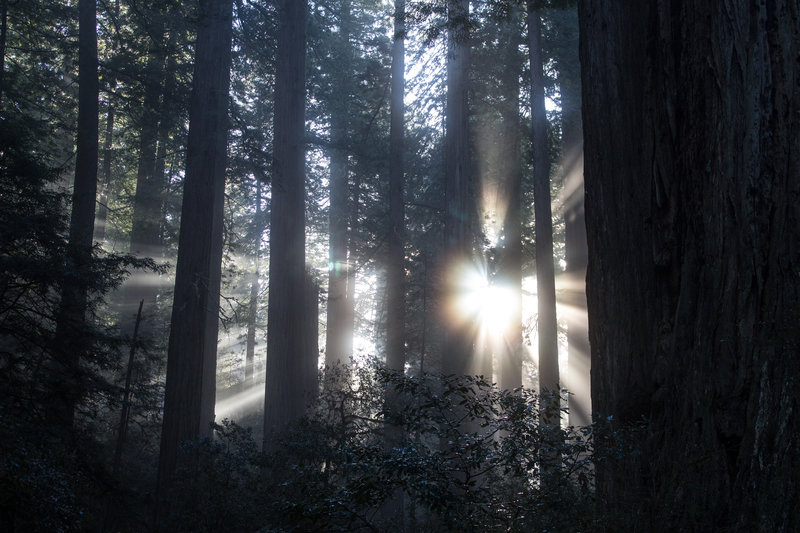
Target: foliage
{"type": "Point", "coordinates": [470, 458]}
{"type": "Point", "coordinates": [46, 480]}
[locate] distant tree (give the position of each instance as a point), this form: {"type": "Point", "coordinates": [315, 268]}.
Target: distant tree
{"type": "Point", "coordinates": [509, 268]}
{"type": "Point", "coordinates": [71, 342]}
{"type": "Point", "coordinates": [459, 209]}
{"type": "Point", "coordinates": [252, 307]}
{"type": "Point", "coordinates": [286, 344]}
{"type": "Point", "coordinates": [692, 141]}
{"type": "Point", "coordinates": [191, 360]}
{"type": "Point", "coordinates": [145, 224]}
{"type": "Point", "coordinates": [573, 295]}
{"type": "Point", "coordinates": [3, 35]}
{"type": "Point", "coordinates": [339, 331]}
{"type": "Point", "coordinates": [105, 182]}
{"type": "Point", "coordinates": [546, 329]}
{"type": "Point", "coordinates": [395, 261]}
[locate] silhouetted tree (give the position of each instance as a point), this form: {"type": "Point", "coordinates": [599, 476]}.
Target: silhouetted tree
{"type": "Point", "coordinates": [192, 352]}
{"type": "Point", "coordinates": [286, 331]}
{"type": "Point", "coordinates": [691, 135]}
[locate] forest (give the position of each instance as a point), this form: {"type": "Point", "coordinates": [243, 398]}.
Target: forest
{"type": "Point", "coordinates": [400, 265]}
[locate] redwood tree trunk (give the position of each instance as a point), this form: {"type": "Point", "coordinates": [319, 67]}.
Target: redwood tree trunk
{"type": "Point", "coordinates": [71, 340]}
{"type": "Point", "coordinates": [692, 143]}
{"type": "Point", "coordinates": [545, 274]}
{"type": "Point", "coordinates": [459, 210]}
{"type": "Point", "coordinates": [286, 343]}
{"type": "Point", "coordinates": [105, 189]}
{"type": "Point", "coordinates": [573, 290]}
{"type": "Point", "coordinates": [509, 272]}
{"type": "Point", "coordinates": [252, 312]}
{"type": "Point", "coordinates": [339, 331]}
{"type": "Point", "coordinates": [192, 352]}
{"type": "Point", "coordinates": [395, 261]}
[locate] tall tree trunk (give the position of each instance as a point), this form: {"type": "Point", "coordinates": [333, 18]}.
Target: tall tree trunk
{"type": "Point", "coordinates": [337, 349]}
{"type": "Point", "coordinates": [574, 286]}
{"type": "Point", "coordinates": [459, 210]}
{"type": "Point", "coordinates": [310, 352]}
{"type": "Point", "coordinates": [693, 221]}
{"type": "Point", "coordinates": [286, 333]}
{"type": "Point", "coordinates": [395, 266]}
{"type": "Point", "coordinates": [3, 33]}
{"type": "Point", "coordinates": [395, 257]}
{"type": "Point", "coordinates": [509, 272]}
{"type": "Point", "coordinates": [192, 351]}
{"type": "Point", "coordinates": [252, 313]}
{"type": "Point", "coordinates": [350, 308]}
{"type": "Point", "coordinates": [105, 188]}
{"type": "Point", "coordinates": [146, 224]}
{"type": "Point", "coordinates": [545, 274]}
{"type": "Point", "coordinates": [71, 341]}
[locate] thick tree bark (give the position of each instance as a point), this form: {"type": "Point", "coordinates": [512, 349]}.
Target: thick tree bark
{"type": "Point", "coordinates": [191, 360]}
{"type": "Point", "coordinates": [459, 209]}
{"type": "Point", "coordinates": [339, 332]}
{"type": "Point", "coordinates": [286, 342]}
{"type": "Point", "coordinates": [545, 273]}
{"type": "Point", "coordinates": [71, 340]}
{"type": "Point", "coordinates": [395, 261]}
{"type": "Point", "coordinates": [692, 143]}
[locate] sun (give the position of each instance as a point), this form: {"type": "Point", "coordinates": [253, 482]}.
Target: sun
{"type": "Point", "coordinates": [489, 306]}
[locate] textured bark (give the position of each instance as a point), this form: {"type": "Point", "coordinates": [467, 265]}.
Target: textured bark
{"type": "Point", "coordinates": [192, 351]}
{"type": "Point", "coordinates": [395, 261]}
{"type": "Point", "coordinates": [545, 274]}
{"type": "Point", "coordinates": [459, 209]}
{"type": "Point", "coordinates": [692, 143]}
{"type": "Point", "coordinates": [71, 340]}
{"type": "Point", "coordinates": [286, 342]}
{"type": "Point", "coordinates": [339, 332]}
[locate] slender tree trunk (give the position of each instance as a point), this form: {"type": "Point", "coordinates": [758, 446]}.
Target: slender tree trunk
{"type": "Point", "coordinates": [311, 336]}
{"type": "Point", "coordinates": [337, 345]}
{"type": "Point", "coordinates": [574, 290]}
{"type": "Point", "coordinates": [286, 333]}
{"type": "Point", "coordinates": [545, 274]}
{"type": "Point", "coordinates": [3, 33]}
{"type": "Point", "coordinates": [693, 221]}
{"type": "Point", "coordinates": [395, 267]}
{"type": "Point", "coordinates": [510, 167]}
{"type": "Point", "coordinates": [105, 188]}
{"type": "Point", "coordinates": [350, 308]}
{"type": "Point", "coordinates": [191, 360]}
{"type": "Point", "coordinates": [252, 314]}
{"type": "Point", "coordinates": [71, 341]}
{"type": "Point", "coordinates": [457, 352]}
{"type": "Point", "coordinates": [146, 224]}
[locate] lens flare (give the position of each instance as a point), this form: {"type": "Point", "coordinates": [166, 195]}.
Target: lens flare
{"type": "Point", "coordinates": [489, 306]}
